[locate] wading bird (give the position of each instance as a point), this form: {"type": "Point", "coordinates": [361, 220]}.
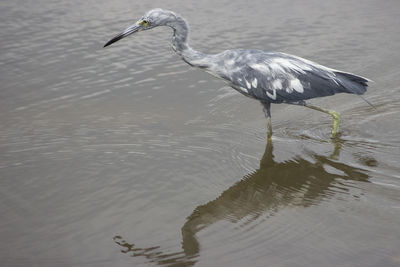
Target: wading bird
{"type": "Point", "coordinates": [269, 77]}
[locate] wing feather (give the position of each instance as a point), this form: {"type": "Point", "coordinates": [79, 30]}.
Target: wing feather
{"type": "Point", "coordinates": [278, 77]}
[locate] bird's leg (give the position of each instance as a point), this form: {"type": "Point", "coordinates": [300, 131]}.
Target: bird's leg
{"type": "Point", "coordinates": [267, 112]}
{"type": "Point", "coordinates": [334, 114]}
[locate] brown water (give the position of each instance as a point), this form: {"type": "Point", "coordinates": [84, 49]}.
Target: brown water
{"type": "Point", "coordinates": [128, 157]}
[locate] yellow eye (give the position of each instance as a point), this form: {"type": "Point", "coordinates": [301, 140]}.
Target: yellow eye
{"type": "Point", "coordinates": [144, 23]}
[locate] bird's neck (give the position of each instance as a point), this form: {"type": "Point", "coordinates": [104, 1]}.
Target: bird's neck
{"type": "Point", "coordinates": [181, 46]}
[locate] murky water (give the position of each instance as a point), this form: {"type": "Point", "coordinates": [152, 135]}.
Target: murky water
{"type": "Point", "coordinates": [127, 157]}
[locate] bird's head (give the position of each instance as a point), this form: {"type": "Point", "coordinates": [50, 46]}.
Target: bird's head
{"type": "Point", "coordinates": [153, 18]}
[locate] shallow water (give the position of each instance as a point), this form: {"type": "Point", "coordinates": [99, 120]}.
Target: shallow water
{"type": "Point", "coordinates": [126, 156]}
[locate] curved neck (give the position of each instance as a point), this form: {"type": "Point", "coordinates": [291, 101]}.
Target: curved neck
{"type": "Point", "coordinates": [181, 46]}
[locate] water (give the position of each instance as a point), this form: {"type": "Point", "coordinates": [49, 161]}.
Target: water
{"type": "Point", "coordinates": [125, 156]}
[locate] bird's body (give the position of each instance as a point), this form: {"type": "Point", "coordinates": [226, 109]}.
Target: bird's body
{"type": "Point", "coordinates": [269, 77]}
{"type": "Point", "coordinates": [279, 77]}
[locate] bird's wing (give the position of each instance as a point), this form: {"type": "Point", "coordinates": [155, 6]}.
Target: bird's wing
{"type": "Point", "coordinates": [280, 78]}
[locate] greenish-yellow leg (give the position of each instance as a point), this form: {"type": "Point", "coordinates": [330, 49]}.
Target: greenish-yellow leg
{"type": "Point", "coordinates": [269, 128]}
{"type": "Point", "coordinates": [334, 114]}
{"type": "Point", "coordinates": [267, 112]}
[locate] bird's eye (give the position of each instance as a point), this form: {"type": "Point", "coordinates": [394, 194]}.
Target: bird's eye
{"type": "Point", "coordinates": [145, 23]}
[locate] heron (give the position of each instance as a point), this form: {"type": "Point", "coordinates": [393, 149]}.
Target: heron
{"type": "Point", "coordinates": [270, 77]}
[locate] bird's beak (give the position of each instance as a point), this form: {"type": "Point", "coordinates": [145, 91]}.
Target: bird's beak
{"type": "Point", "coordinates": [134, 28]}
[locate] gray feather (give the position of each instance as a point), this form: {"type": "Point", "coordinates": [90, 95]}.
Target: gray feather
{"type": "Point", "coordinates": [279, 77]}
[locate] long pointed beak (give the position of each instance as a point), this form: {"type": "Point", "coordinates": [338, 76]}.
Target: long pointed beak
{"type": "Point", "coordinates": [128, 31]}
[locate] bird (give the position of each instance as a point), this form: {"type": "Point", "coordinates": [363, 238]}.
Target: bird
{"type": "Point", "coordinates": [269, 77]}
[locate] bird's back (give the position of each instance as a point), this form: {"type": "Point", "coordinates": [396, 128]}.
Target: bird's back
{"type": "Point", "coordinates": [279, 77]}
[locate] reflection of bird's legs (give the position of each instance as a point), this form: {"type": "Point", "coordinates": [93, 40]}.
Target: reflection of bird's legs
{"type": "Point", "coordinates": [267, 112]}
{"type": "Point", "coordinates": [334, 114]}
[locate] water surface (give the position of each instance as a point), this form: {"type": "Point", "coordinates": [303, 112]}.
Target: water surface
{"type": "Point", "coordinates": [126, 156]}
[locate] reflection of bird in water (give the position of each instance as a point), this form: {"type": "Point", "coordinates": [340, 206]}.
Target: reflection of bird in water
{"type": "Point", "coordinates": [269, 189]}
{"type": "Point", "coordinates": [268, 77]}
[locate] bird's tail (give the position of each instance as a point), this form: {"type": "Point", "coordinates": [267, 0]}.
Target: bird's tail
{"type": "Point", "coordinates": [352, 83]}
